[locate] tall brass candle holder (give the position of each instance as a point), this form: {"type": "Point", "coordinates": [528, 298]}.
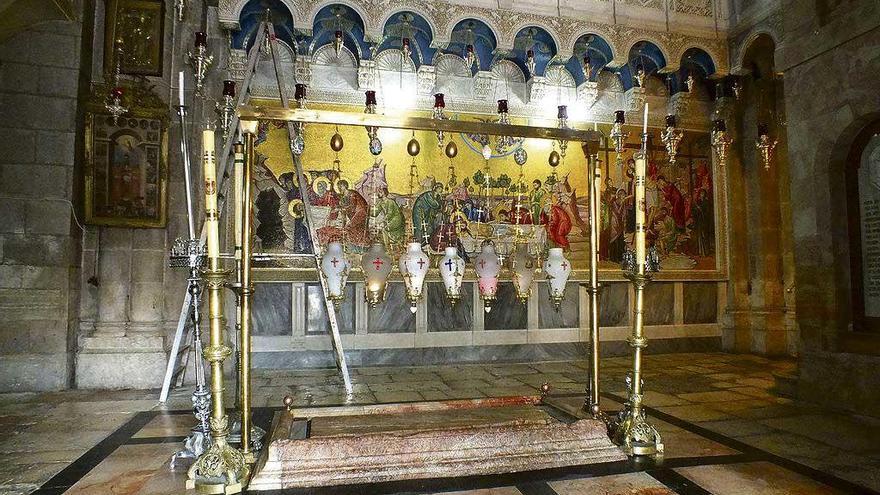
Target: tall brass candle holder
{"type": "Point", "coordinates": [632, 431]}
{"type": "Point", "coordinates": [221, 468]}
{"type": "Point", "coordinates": [594, 192]}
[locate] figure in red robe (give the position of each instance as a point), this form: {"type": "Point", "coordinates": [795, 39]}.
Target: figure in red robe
{"type": "Point", "coordinates": [677, 202]}
{"type": "Point", "coordinates": [559, 226]}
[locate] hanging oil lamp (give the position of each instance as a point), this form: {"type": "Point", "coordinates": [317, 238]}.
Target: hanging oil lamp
{"type": "Point", "coordinates": [439, 114]}
{"type": "Point", "coordinates": [299, 144]}
{"type": "Point", "coordinates": [469, 55]}
{"type": "Point", "coordinates": [337, 42]}
{"type": "Point", "coordinates": [720, 139]}
{"type": "Point", "coordinates": [488, 266]}
{"type": "Point", "coordinates": [372, 131]}
{"type": "Point", "coordinates": [414, 265]}
{"type": "Point", "coordinates": [376, 266]}
{"type": "Point", "coordinates": [671, 137]}
{"type": "Point", "coordinates": [335, 267]}
{"type": "Point", "coordinates": [587, 67]}
{"type": "Point", "coordinates": [617, 134]}
{"type": "Point", "coordinates": [640, 77]}
{"type": "Point", "coordinates": [405, 47]}
{"type": "Point", "coordinates": [504, 142]}
{"type": "Point", "coordinates": [562, 123]}
{"type": "Point", "coordinates": [765, 144]}
{"type": "Point", "coordinates": [226, 107]}
{"type": "Point", "coordinates": [689, 82]}
{"type": "Point", "coordinates": [558, 269]}
{"type": "Point", "coordinates": [530, 62]}
{"type": "Point", "coordinates": [523, 266]}
{"type": "Point", "coordinates": [451, 152]}
{"type": "Point", "coordinates": [452, 271]}
{"type": "Point", "coordinates": [200, 60]}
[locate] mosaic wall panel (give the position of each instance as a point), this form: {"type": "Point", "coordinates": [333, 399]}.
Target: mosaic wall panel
{"type": "Point", "coordinates": [701, 302]}
{"type": "Point", "coordinates": [614, 304]}
{"type": "Point", "coordinates": [442, 317]}
{"type": "Point", "coordinates": [394, 315]}
{"type": "Point", "coordinates": [316, 311]}
{"type": "Point", "coordinates": [271, 310]}
{"type": "Point", "coordinates": [507, 312]}
{"type": "Point", "coordinates": [549, 317]}
{"type": "Point", "coordinates": [659, 303]}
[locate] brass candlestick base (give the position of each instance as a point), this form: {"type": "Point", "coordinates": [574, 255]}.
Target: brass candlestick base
{"type": "Point", "coordinates": [221, 469]}
{"type": "Point", "coordinates": [631, 430]}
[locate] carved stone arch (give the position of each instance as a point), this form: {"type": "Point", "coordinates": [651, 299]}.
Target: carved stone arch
{"type": "Point", "coordinates": [663, 47]}
{"type": "Point", "coordinates": [451, 65]}
{"type": "Point", "coordinates": [609, 81]}
{"type": "Point", "coordinates": [390, 60]}
{"type": "Point", "coordinates": [506, 42]}
{"type": "Point", "coordinates": [505, 70]}
{"type": "Point", "coordinates": [738, 53]}
{"type": "Point", "coordinates": [717, 59]}
{"type": "Point", "coordinates": [596, 31]}
{"type": "Point", "coordinates": [326, 55]}
{"type": "Point", "coordinates": [446, 34]}
{"type": "Point", "coordinates": [229, 12]}
{"type": "Point", "coordinates": [368, 20]}
{"type": "Point", "coordinates": [427, 16]}
{"type": "Point", "coordinates": [558, 75]}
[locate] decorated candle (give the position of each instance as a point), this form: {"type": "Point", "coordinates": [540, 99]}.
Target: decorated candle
{"type": "Point", "coordinates": [180, 88]}
{"type": "Point", "coordinates": [640, 197]}
{"type": "Point", "coordinates": [210, 172]}
{"type": "Point", "coordinates": [238, 183]}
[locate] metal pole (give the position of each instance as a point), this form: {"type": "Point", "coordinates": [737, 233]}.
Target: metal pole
{"type": "Point", "coordinates": [245, 295]}
{"type": "Point", "coordinates": [595, 174]}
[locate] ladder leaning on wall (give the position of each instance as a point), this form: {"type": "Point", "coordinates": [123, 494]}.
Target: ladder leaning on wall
{"type": "Point", "coordinates": [178, 357]}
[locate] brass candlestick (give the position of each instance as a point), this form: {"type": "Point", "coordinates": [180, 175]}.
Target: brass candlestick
{"type": "Point", "coordinates": [222, 468]}
{"type": "Point", "coordinates": [631, 430]}
{"type": "Point", "coordinates": [592, 402]}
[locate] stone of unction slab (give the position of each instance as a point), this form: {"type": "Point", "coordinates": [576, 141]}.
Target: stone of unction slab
{"type": "Point", "coordinates": [501, 445]}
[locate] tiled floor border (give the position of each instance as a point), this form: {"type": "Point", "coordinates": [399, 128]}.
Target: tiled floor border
{"type": "Point", "coordinates": [525, 482]}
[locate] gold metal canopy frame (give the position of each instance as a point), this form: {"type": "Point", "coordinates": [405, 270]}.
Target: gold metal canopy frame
{"type": "Point", "coordinates": [590, 138]}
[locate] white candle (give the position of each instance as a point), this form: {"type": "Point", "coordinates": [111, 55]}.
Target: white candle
{"type": "Point", "coordinates": [645, 127]}
{"type": "Point", "coordinates": [210, 172]}
{"type": "Point", "coordinates": [641, 159]}
{"type": "Point", "coordinates": [238, 173]}
{"type": "Point", "coordinates": [180, 87]}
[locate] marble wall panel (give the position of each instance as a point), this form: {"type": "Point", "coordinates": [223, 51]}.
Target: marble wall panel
{"type": "Point", "coordinates": [443, 317]}
{"type": "Point", "coordinates": [659, 303]}
{"type": "Point", "coordinates": [271, 310]}
{"type": "Point", "coordinates": [507, 312]}
{"type": "Point", "coordinates": [393, 315]}
{"type": "Point", "coordinates": [700, 302]}
{"type": "Point", "coordinates": [566, 316]}
{"type": "Point", "coordinates": [316, 311]}
{"type": "Point", "coordinates": [614, 304]}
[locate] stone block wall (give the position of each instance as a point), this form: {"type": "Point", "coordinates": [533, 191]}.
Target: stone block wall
{"type": "Point", "coordinates": [831, 94]}
{"type": "Point", "coordinates": [39, 238]}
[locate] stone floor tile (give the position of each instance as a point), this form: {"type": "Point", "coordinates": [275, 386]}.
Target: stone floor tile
{"type": "Point", "coordinates": [391, 397]}
{"type": "Point", "coordinates": [624, 484]}
{"type": "Point", "coordinates": [694, 412]}
{"type": "Point", "coordinates": [506, 490]}
{"type": "Point", "coordinates": [716, 396]}
{"type": "Point", "coordinates": [755, 478]}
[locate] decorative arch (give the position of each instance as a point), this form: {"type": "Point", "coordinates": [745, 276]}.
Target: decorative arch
{"type": "Point", "coordinates": [540, 41]}
{"type": "Point", "coordinates": [711, 57]}
{"type": "Point", "coordinates": [446, 36]}
{"type": "Point", "coordinates": [597, 48]}
{"type": "Point", "coordinates": [363, 14]}
{"type": "Point", "coordinates": [409, 24]}
{"type": "Point", "coordinates": [473, 31]}
{"type": "Point", "coordinates": [660, 47]}
{"type": "Point", "coordinates": [604, 36]}
{"type": "Point", "coordinates": [740, 49]}
{"type": "Point", "coordinates": [425, 15]}
{"type": "Point", "coordinates": [507, 42]}
{"type": "Point", "coordinates": [252, 13]}
{"type": "Point", "coordinates": [231, 15]}
{"type": "Point", "coordinates": [558, 75]}
{"type": "Point", "coordinates": [339, 16]}
{"type": "Point", "coordinates": [642, 54]}
{"type": "Point", "coordinates": [451, 65]}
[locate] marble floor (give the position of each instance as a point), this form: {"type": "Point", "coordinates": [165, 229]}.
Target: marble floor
{"type": "Point", "coordinates": [726, 430]}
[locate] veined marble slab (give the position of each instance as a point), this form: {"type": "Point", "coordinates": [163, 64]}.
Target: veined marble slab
{"type": "Point", "coordinates": [462, 440]}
